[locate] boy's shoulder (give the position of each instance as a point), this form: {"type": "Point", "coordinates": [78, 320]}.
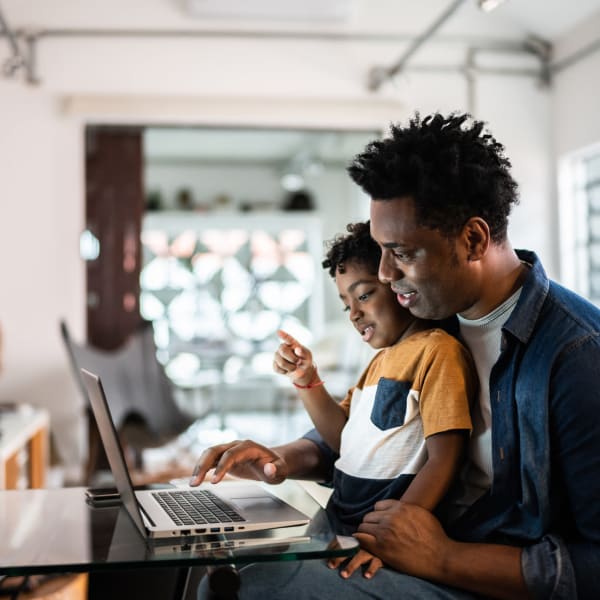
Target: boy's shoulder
{"type": "Point", "coordinates": [428, 342]}
{"type": "Point", "coordinates": [435, 335]}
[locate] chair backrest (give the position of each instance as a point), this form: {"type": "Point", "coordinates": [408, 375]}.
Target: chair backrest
{"type": "Point", "coordinates": [134, 380]}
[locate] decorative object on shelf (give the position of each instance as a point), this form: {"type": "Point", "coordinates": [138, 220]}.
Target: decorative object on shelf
{"type": "Point", "coordinates": [154, 200]}
{"type": "Point", "coordinates": [258, 205]}
{"type": "Point", "coordinates": [300, 200]}
{"type": "Point", "coordinates": [184, 199]}
{"type": "Point", "coordinates": [223, 202]}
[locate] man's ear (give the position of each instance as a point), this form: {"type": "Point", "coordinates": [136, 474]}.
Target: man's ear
{"type": "Point", "coordinates": [476, 234]}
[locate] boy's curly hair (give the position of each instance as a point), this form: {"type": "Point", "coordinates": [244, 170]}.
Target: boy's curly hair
{"type": "Point", "coordinates": [450, 166]}
{"type": "Point", "coordinates": [357, 246]}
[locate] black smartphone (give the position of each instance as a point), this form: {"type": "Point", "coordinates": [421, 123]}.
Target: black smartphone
{"type": "Point", "coordinates": [102, 493]}
{"type": "Point", "coordinates": [109, 496]}
{"type": "Point", "coordinates": [103, 496]}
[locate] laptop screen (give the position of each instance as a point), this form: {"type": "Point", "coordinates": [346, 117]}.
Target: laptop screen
{"type": "Point", "coordinates": [110, 441]}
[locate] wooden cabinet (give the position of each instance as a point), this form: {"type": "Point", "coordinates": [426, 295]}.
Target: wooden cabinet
{"type": "Point", "coordinates": [23, 448]}
{"type": "Point", "coordinates": [24, 464]}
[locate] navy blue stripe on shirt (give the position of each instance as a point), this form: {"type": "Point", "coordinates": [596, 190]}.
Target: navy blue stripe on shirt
{"type": "Point", "coordinates": [354, 497]}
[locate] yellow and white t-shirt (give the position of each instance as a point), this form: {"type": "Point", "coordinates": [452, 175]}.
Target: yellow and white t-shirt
{"type": "Point", "coordinates": [414, 389]}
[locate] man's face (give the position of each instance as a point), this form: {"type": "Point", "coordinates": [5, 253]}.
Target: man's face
{"type": "Point", "coordinates": [429, 272]}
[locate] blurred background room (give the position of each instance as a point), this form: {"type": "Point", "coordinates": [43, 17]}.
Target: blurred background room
{"type": "Point", "coordinates": [169, 170]}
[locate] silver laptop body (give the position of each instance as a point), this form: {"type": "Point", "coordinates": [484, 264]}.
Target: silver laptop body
{"type": "Point", "coordinates": [257, 508]}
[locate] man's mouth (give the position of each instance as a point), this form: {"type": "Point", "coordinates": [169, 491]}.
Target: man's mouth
{"type": "Point", "coordinates": [405, 299]}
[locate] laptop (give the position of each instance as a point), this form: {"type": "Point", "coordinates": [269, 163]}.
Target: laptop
{"type": "Point", "coordinates": [209, 509]}
{"type": "Point", "coordinates": [277, 540]}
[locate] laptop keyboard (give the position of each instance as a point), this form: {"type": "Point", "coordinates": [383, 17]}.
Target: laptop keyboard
{"type": "Point", "coordinates": [196, 507]}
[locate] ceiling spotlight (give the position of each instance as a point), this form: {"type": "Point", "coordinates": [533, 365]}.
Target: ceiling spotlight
{"type": "Point", "coordinates": [489, 5]}
{"type": "Point", "coordinates": [292, 182]}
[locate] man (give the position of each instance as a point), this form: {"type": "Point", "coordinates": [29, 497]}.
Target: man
{"type": "Point", "coordinates": [524, 519]}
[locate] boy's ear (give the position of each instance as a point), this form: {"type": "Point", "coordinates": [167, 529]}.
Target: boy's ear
{"type": "Point", "coordinates": [476, 234]}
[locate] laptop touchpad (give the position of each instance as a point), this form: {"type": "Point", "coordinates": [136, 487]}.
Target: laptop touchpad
{"type": "Point", "coordinates": [253, 503]}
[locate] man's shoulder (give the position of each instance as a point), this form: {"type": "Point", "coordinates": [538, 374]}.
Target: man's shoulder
{"type": "Point", "coordinates": [565, 321]}
{"type": "Point", "coordinates": [571, 311]}
{"type": "Point", "coordinates": [549, 311]}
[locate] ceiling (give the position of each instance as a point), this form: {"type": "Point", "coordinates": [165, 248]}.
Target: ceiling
{"type": "Point", "coordinates": [401, 21]}
{"type": "Point", "coordinates": [546, 18]}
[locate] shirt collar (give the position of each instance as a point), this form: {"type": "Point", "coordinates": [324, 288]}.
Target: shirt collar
{"type": "Point", "coordinates": [523, 319]}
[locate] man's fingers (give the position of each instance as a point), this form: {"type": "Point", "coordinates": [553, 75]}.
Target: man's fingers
{"type": "Point", "coordinates": [367, 540]}
{"type": "Point", "coordinates": [387, 504]}
{"type": "Point", "coordinates": [270, 470]}
{"type": "Point", "coordinates": [237, 453]}
{"type": "Point", "coordinates": [208, 459]}
{"type": "Point", "coordinates": [382, 509]}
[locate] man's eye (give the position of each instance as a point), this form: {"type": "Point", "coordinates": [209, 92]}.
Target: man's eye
{"type": "Point", "coordinates": [401, 255]}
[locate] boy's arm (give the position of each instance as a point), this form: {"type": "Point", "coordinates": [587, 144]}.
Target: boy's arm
{"type": "Point", "coordinates": [327, 415]}
{"type": "Point", "coordinates": [445, 453]}
{"type": "Point", "coordinates": [295, 361]}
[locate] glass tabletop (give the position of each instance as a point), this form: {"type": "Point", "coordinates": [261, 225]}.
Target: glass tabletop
{"type": "Point", "coordinates": [54, 531]}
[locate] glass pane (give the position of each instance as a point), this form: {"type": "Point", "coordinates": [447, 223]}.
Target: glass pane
{"type": "Point", "coordinates": [592, 167]}
{"type": "Point", "coordinates": [594, 225]}
{"type": "Point", "coordinates": [593, 194]}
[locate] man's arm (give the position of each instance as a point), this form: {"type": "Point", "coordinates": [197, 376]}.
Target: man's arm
{"type": "Point", "coordinates": [575, 439]}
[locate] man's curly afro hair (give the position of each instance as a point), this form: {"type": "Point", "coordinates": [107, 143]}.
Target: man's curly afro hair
{"type": "Point", "coordinates": [450, 166]}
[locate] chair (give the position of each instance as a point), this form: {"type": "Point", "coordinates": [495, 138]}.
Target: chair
{"type": "Point", "coordinates": [137, 389]}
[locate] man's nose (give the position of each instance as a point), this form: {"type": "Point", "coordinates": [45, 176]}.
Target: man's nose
{"type": "Point", "coordinates": [388, 271]}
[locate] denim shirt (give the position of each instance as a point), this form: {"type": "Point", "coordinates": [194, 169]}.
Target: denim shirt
{"type": "Point", "coordinates": [545, 402]}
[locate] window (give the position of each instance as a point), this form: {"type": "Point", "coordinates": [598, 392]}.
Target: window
{"type": "Point", "coordinates": [217, 288]}
{"type": "Point", "coordinates": [580, 223]}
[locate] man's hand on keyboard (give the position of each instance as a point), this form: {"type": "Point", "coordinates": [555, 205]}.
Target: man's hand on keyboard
{"type": "Point", "coordinates": [245, 459]}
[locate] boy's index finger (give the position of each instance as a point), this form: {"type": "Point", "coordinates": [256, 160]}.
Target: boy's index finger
{"type": "Point", "coordinates": [286, 338]}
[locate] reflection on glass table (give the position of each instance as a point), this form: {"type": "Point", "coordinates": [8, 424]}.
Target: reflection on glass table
{"type": "Point", "coordinates": [55, 531]}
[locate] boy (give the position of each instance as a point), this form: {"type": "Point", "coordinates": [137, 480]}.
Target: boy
{"type": "Point", "coordinates": [418, 386]}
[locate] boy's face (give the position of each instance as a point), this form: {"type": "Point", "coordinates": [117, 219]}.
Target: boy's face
{"type": "Point", "coordinates": [372, 306]}
{"type": "Point", "coordinates": [429, 273]}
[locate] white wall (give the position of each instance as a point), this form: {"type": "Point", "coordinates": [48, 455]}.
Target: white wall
{"type": "Point", "coordinates": [577, 90]}
{"type": "Point", "coordinates": [576, 93]}
{"type": "Point", "coordinates": [211, 81]}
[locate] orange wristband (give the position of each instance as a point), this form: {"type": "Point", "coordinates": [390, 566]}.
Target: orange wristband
{"type": "Point", "coordinates": [309, 386]}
